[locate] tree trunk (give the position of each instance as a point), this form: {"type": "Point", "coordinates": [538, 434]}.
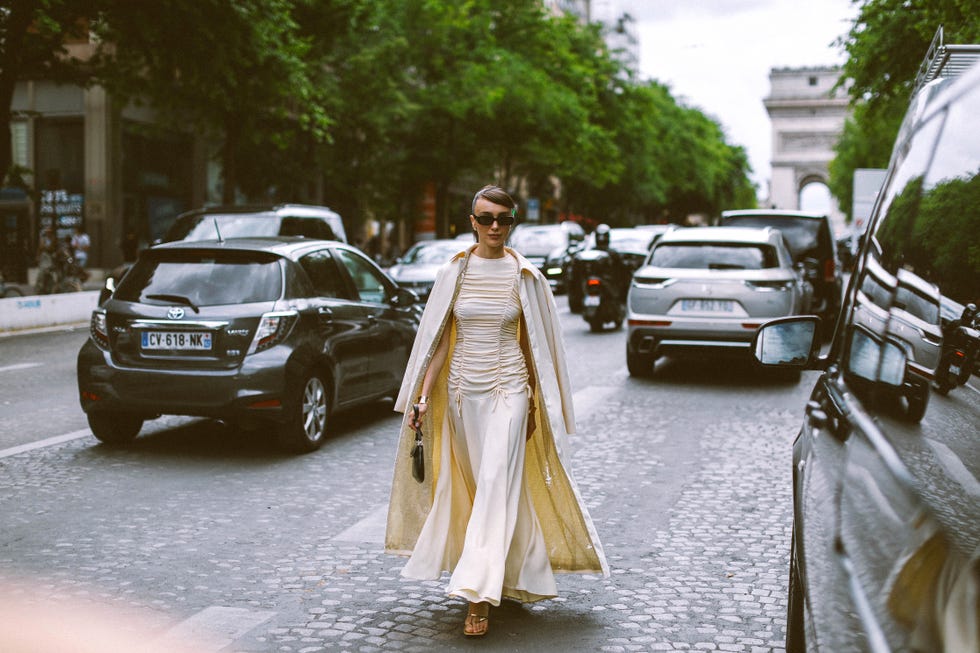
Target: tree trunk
{"type": "Point", "coordinates": [229, 163]}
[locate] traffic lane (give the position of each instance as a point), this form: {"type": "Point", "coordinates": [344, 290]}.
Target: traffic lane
{"type": "Point", "coordinates": [686, 476]}
{"type": "Point", "coordinates": [38, 387]}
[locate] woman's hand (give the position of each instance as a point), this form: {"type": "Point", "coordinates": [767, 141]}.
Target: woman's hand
{"type": "Point", "coordinates": [422, 410]}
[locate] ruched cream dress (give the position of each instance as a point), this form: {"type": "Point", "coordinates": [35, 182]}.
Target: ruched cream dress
{"type": "Point", "coordinates": [482, 526]}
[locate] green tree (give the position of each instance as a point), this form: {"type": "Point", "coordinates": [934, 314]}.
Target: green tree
{"type": "Point", "coordinates": [33, 38]}
{"type": "Point", "coordinates": [885, 47]}
{"type": "Point", "coordinates": [235, 72]}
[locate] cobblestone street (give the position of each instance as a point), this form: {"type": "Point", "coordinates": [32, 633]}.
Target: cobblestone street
{"type": "Point", "coordinates": [215, 538]}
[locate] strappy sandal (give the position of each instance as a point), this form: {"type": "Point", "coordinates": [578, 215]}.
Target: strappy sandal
{"type": "Point", "coordinates": [476, 624]}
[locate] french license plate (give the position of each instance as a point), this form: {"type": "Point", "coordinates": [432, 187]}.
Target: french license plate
{"type": "Point", "coordinates": [591, 300]}
{"type": "Point", "coordinates": [707, 305]}
{"type": "Point", "coordinates": [954, 370]}
{"type": "Point", "coordinates": [176, 340]}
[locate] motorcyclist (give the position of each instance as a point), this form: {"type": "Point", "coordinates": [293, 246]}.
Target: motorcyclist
{"type": "Point", "coordinates": [619, 274]}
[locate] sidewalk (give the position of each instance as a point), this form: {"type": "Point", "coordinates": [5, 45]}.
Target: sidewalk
{"type": "Point", "coordinates": [19, 314]}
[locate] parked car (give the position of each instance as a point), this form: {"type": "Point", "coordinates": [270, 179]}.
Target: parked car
{"type": "Point", "coordinates": [224, 222]}
{"type": "Point", "coordinates": [633, 246]}
{"type": "Point", "coordinates": [812, 244]}
{"type": "Point", "coordinates": [417, 268]}
{"type": "Point", "coordinates": [541, 243]}
{"type": "Point", "coordinates": [278, 330]}
{"type": "Point", "coordinates": [885, 547]}
{"type": "Point", "coordinates": [703, 291]}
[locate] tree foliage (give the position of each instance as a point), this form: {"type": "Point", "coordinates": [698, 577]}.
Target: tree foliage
{"type": "Point", "coordinates": [885, 47]}
{"type": "Point", "coordinates": [374, 99]}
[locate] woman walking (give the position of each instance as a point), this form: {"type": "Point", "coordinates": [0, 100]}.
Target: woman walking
{"type": "Point", "coordinates": [498, 507]}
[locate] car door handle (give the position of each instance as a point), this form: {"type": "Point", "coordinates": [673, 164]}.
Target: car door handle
{"type": "Point", "coordinates": [324, 312]}
{"type": "Point", "coordinates": [373, 319]}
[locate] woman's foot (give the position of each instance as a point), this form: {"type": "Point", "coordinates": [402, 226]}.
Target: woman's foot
{"type": "Point", "coordinates": [477, 619]}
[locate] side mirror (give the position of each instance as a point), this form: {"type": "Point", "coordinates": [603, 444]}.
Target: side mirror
{"type": "Point", "coordinates": [404, 298]}
{"type": "Point", "coordinates": [789, 342]}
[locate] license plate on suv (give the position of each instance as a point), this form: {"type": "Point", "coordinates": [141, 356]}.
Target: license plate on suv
{"type": "Point", "coordinates": [707, 305]}
{"type": "Point", "coordinates": [176, 340]}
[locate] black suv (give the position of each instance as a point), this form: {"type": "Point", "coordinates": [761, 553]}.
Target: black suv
{"type": "Point", "coordinates": [885, 551]}
{"type": "Point", "coordinates": [811, 242]}
{"type": "Point", "coordinates": [283, 330]}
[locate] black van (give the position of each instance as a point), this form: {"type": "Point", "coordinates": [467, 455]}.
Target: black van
{"type": "Point", "coordinates": [885, 544]}
{"type": "Point", "coordinates": [812, 244]}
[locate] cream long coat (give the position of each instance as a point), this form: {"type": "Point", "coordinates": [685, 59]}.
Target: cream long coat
{"type": "Point", "coordinates": [573, 545]}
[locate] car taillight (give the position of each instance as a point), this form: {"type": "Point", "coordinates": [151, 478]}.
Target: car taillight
{"type": "Point", "coordinates": [828, 270]}
{"type": "Point", "coordinates": [98, 329]}
{"type": "Point", "coordinates": [273, 329]}
{"type": "Point", "coordinates": [781, 284]}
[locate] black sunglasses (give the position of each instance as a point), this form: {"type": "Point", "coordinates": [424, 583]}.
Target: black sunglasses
{"type": "Point", "coordinates": [504, 219]}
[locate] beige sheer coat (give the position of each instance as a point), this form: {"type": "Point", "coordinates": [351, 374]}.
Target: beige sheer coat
{"type": "Point", "coordinates": [573, 545]}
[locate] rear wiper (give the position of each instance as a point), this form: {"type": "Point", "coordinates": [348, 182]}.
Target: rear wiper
{"type": "Point", "coordinates": [725, 266]}
{"type": "Point", "coordinates": [180, 299]}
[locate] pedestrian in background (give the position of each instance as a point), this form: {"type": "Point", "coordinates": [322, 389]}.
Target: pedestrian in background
{"type": "Point", "coordinates": [498, 507]}
{"type": "Point", "coordinates": [80, 244]}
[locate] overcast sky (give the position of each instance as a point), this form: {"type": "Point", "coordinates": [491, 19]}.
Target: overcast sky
{"type": "Point", "coordinates": [716, 55]}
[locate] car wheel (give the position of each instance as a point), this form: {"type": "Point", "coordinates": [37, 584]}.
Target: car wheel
{"type": "Point", "coordinates": [916, 402]}
{"type": "Point", "coordinates": [595, 326]}
{"type": "Point", "coordinates": [640, 365]}
{"type": "Point", "coordinates": [795, 636]}
{"type": "Point", "coordinates": [114, 427]}
{"type": "Point", "coordinates": [12, 292]}
{"type": "Point", "coordinates": [305, 426]}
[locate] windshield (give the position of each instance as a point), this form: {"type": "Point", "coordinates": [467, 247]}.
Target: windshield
{"type": "Point", "coordinates": [203, 279]}
{"type": "Point", "coordinates": [914, 303]}
{"type": "Point", "coordinates": [630, 240]}
{"type": "Point", "coordinates": [538, 241]}
{"type": "Point", "coordinates": [202, 227]}
{"type": "Point", "coordinates": [714, 256]}
{"type": "Point", "coordinates": [803, 234]}
{"type": "Point", "coordinates": [432, 254]}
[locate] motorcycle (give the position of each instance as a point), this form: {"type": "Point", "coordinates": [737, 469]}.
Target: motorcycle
{"type": "Point", "coordinates": [958, 360]}
{"type": "Point", "coordinates": [603, 296]}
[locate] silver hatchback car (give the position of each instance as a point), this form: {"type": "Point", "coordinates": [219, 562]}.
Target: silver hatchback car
{"type": "Point", "coordinates": [705, 290]}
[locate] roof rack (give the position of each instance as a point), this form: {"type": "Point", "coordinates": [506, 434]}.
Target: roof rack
{"type": "Point", "coordinates": [944, 60]}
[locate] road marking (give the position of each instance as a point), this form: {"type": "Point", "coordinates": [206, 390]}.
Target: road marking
{"type": "Point", "coordinates": [371, 529]}
{"type": "Point", "coordinates": [214, 628]}
{"type": "Point", "coordinates": [18, 366]}
{"type": "Point", "coordinates": [40, 444]}
{"type": "Point", "coordinates": [954, 465]}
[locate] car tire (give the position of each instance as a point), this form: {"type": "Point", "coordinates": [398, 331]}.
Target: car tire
{"type": "Point", "coordinates": [640, 365]}
{"type": "Point", "coordinates": [12, 292]}
{"type": "Point", "coordinates": [916, 402]}
{"type": "Point", "coordinates": [596, 325]}
{"type": "Point", "coordinates": [306, 413]}
{"type": "Point", "coordinates": [114, 427]}
{"type": "Point", "coordinates": [795, 633]}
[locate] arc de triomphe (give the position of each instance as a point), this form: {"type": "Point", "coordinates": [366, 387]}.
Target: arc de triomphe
{"type": "Point", "coordinates": [807, 116]}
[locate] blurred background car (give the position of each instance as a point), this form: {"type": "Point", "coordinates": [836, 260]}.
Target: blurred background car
{"type": "Point", "coordinates": [306, 220]}
{"type": "Point", "coordinates": [633, 245]}
{"type": "Point", "coordinates": [540, 243]}
{"type": "Point", "coordinates": [811, 241]}
{"type": "Point", "coordinates": [260, 330]}
{"type": "Point", "coordinates": [885, 544]}
{"type": "Point", "coordinates": [417, 268]}
{"type": "Point", "coordinates": [704, 290]}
